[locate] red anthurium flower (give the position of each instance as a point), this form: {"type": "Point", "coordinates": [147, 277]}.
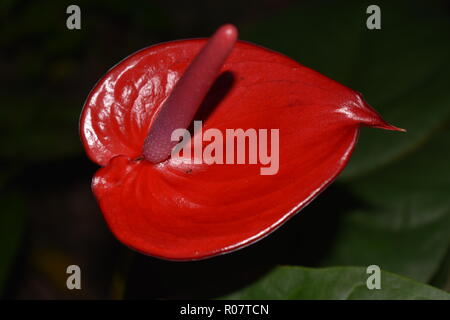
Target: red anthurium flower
{"type": "Point", "coordinates": [175, 208]}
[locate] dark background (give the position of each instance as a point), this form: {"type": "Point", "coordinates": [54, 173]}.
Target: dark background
{"type": "Point", "coordinates": [47, 72]}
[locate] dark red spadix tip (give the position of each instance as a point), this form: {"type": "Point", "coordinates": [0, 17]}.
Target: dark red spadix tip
{"type": "Point", "coordinates": [180, 107]}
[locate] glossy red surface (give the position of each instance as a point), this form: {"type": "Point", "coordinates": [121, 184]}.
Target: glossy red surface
{"type": "Point", "coordinates": [180, 211]}
{"type": "Point", "coordinates": [180, 107]}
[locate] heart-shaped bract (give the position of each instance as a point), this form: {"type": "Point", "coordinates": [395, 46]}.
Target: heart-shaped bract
{"type": "Point", "coordinates": [183, 211]}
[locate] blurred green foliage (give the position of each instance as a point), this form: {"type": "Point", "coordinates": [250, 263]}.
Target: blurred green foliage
{"type": "Point", "coordinates": [405, 220]}
{"type": "Point", "coordinates": [12, 227]}
{"type": "Point", "coordinates": [337, 283]}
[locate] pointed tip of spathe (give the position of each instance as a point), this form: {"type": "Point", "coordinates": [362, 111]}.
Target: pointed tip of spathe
{"type": "Point", "coordinates": [387, 126]}
{"type": "Point", "coordinates": [373, 120]}
{"type": "Point", "coordinates": [369, 117]}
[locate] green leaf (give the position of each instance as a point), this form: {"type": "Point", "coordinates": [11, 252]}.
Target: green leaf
{"type": "Point", "coordinates": [12, 221]}
{"type": "Point", "coordinates": [405, 222]}
{"type": "Point", "coordinates": [402, 69]}
{"type": "Point", "coordinates": [338, 283]}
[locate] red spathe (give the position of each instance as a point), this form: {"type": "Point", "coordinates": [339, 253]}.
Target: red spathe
{"type": "Point", "coordinates": [180, 211]}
